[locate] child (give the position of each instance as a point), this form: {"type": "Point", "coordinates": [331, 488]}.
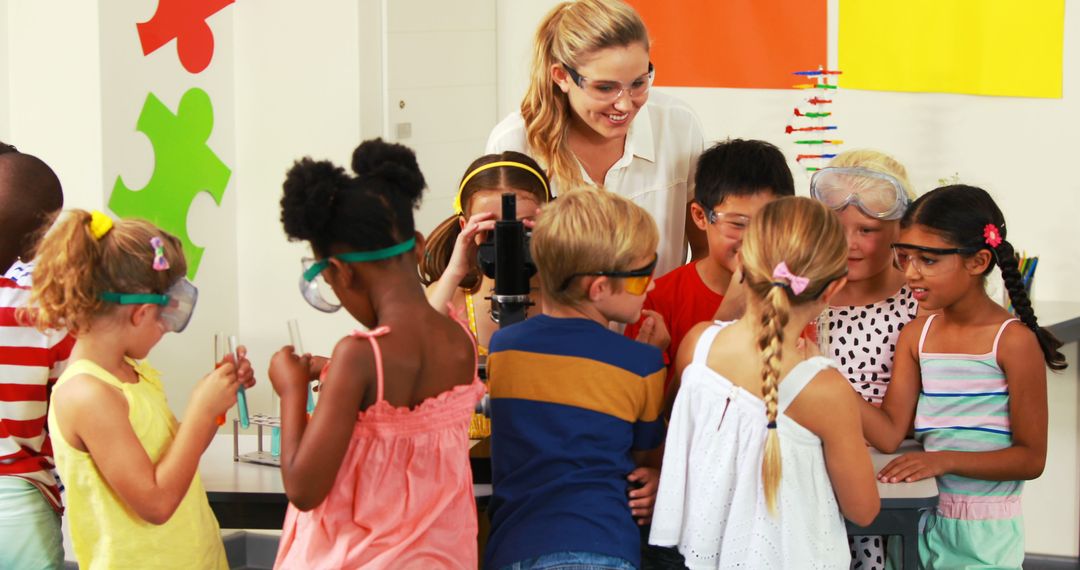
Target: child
{"type": "Point", "coordinates": [449, 265]}
{"type": "Point", "coordinates": [734, 179]}
{"type": "Point", "coordinates": [974, 385]}
{"type": "Point", "coordinates": [134, 495]}
{"type": "Point", "coordinates": [728, 496]}
{"type": "Point", "coordinates": [869, 192]}
{"type": "Point", "coordinates": [574, 406]}
{"type": "Point", "coordinates": [381, 477]}
{"type": "Point", "coordinates": [30, 536]}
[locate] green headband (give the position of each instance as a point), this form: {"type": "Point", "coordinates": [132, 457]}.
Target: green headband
{"type": "Point", "coordinates": [135, 298]}
{"type": "Point", "coordinates": [357, 256]}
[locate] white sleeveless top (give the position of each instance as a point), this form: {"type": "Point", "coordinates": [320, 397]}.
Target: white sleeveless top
{"type": "Point", "coordinates": [711, 501]}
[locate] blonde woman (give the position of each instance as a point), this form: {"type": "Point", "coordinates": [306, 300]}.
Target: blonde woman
{"type": "Point", "coordinates": [589, 116]}
{"type": "Point", "coordinates": [762, 456]}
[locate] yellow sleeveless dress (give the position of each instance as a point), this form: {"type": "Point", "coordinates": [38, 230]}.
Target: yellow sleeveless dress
{"type": "Point", "coordinates": [104, 531]}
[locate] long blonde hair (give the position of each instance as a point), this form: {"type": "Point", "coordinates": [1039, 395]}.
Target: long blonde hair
{"type": "Point", "coordinates": [806, 236]}
{"type": "Point", "coordinates": [73, 268]}
{"type": "Point", "coordinates": [568, 33]}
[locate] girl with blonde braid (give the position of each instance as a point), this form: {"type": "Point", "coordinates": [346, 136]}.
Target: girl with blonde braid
{"type": "Point", "coordinates": [764, 459]}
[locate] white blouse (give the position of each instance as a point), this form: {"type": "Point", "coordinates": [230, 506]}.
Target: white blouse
{"type": "Point", "coordinates": [711, 501]}
{"type": "Point", "coordinates": [656, 170]}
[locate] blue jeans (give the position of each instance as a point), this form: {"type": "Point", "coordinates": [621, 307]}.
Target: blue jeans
{"type": "Point", "coordinates": [572, 561]}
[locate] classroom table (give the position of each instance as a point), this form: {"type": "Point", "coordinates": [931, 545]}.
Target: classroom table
{"type": "Point", "coordinates": [902, 505]}
{"type": "Point", "coordinates": [251, 496]}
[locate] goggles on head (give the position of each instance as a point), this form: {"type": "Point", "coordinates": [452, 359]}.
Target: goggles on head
{"type": "Point", "coordinates": [635, 281]}
{"type": "Point", "coordinates": [177, 303]}
{"type": "Point", "coordinates": [875, 194]}
{"type": "Point", "coordinates": [318, 293]}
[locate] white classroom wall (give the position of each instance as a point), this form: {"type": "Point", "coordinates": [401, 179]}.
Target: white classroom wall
{"type": "Point", "coordinates": [309, 81]}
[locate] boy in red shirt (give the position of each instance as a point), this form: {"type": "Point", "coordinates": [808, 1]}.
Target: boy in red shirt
{"type": "Point", "coordinates": [734, 179]}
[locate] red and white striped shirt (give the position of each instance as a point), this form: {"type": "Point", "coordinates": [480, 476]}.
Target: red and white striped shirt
{"type": "Point", "coordinates": [30, 363]}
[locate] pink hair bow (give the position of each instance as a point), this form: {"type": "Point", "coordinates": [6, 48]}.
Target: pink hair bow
{"type": "Point", "coordinates": [796, 283]}
{"type": "Point", "coordinates": [160, 263]}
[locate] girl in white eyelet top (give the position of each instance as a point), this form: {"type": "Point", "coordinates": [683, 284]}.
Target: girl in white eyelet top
{"type": "Point", "coordinates": [764, 454]}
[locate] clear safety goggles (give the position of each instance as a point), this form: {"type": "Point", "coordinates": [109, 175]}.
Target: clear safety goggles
{"type": "Point", "coordinates": [928, 261]}
{"type": "Point", "coordinates": [875, 194]}
{"type": "Point", "coordinates": [611, 90]}
{"type": "Point", "coordinates": [177, 303]}
{"type": "Point", "coordinates": [319, 294]}
{"type": "Point", "coordinates": [731, 225]}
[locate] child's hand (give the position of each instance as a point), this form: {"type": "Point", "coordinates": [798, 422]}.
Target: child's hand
{"type": "Point", "coordinates": [316, 365]}
{"type": "Point", "coordinates": [289, 373]}
{"type": "Point", "coordinates": [245, 373]}
{"type": "Point", "coordinates": [644, 482]}
{"type": "Point", "coordinates": [215, 393]}
{"type": "Point", "coordinates": [653, 330]}
{"type": "Point", "coordinates": [912, 467]}
{"type": "Point", "coordinates": [465, 247]}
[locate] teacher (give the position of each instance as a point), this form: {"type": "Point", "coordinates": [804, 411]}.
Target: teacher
{"type": "Point", "coordinates": [590, 118]}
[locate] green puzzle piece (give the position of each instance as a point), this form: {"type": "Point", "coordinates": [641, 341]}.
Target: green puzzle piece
{"type": "Point", "coordinates": [184, 165]}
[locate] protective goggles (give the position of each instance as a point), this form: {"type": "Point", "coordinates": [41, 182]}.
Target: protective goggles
{"type": "Point", "coordinates": [318, 293]}
{"type": "Point", "coordinates": [875, 194]}
{"type": "Point", "coordinates": [926, 259]}
{"type": "Point", "coordinates": [177, 303]}
{"type": "Point", "coordinates": [731, 225]}
{"type": "Point", "coordinates": [635, 281]}
{"type": "Point", "coordinates": [612, 90]}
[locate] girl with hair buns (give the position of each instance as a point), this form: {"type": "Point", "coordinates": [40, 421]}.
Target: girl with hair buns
{"type": "Point", "coordinates": [379, 477]}
{"type": "Point", "coordinates": [971, 379]}
{"type": "Point", "coordinates": [762, 458]}
{"type": "Point", "coordinates": [590, 117]}
{"type": "Point", "coordinates": [134, 495]}
{"type": "Point", "coordinates": [449, 267]}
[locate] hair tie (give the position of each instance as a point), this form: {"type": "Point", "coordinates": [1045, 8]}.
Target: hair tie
{"type": "Point", "coordinates": [992, 235]}
{"type": "Point", "coordinates": [458, 209]}
{"type": "Point", "coordinates": [771, 425]}
{"type": "Point", "coordinates": [796, 283]}
{"type": "Point", "coordinates": [100, 224]}
{"type": "Point", "coordinates": [160, 263]}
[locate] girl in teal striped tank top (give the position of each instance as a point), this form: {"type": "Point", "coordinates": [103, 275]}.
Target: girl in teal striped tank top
{"type": "Point", "coordinates": [968, 380]}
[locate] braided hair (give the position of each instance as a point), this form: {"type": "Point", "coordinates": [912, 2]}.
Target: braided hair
{"type": "Point", "coordinates": [968, 217]}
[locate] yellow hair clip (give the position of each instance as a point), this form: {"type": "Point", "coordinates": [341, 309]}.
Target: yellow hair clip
{"type": "Point", "coordinates": [100, 224]}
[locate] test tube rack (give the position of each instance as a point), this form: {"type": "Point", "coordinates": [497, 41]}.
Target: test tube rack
{"type": "Point", "coordinates": [260, 456]}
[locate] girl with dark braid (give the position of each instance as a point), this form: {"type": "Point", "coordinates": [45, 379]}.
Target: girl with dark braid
{"type": "Point", "coordinates": [972, 382]}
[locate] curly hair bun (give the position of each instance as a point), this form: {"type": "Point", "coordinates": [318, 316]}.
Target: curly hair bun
{"type": "Point", "coordinates": [393, 163]}
{"type": "Point", "coordinates": [310, 189]}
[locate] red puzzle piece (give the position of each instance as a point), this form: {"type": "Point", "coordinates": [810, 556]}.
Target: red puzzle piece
{"type": "Point", "coordinates": [184, 21]}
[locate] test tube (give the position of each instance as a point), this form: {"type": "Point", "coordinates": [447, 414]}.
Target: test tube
{"type": "Point", "coordinates": [219, 354]}
{"type": "Point", "coordinates": [298, 348]}
{"type": "Point", "coordinates": [241, 394]}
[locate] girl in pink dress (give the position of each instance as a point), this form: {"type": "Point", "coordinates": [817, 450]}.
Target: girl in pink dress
{"type": "Point", "coordinates": [379, 476]}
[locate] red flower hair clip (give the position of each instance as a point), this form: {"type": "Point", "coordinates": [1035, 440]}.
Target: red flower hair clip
{"type": "Point", "coordinates": [992, 236]}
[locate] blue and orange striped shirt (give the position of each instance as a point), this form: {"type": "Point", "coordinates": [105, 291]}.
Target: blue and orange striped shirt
{"type": "Point", "coordinates": [570, 400]}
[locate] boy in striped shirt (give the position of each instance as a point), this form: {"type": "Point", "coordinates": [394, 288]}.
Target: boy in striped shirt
{"type": "Point", "coordinates": [30, 362]}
